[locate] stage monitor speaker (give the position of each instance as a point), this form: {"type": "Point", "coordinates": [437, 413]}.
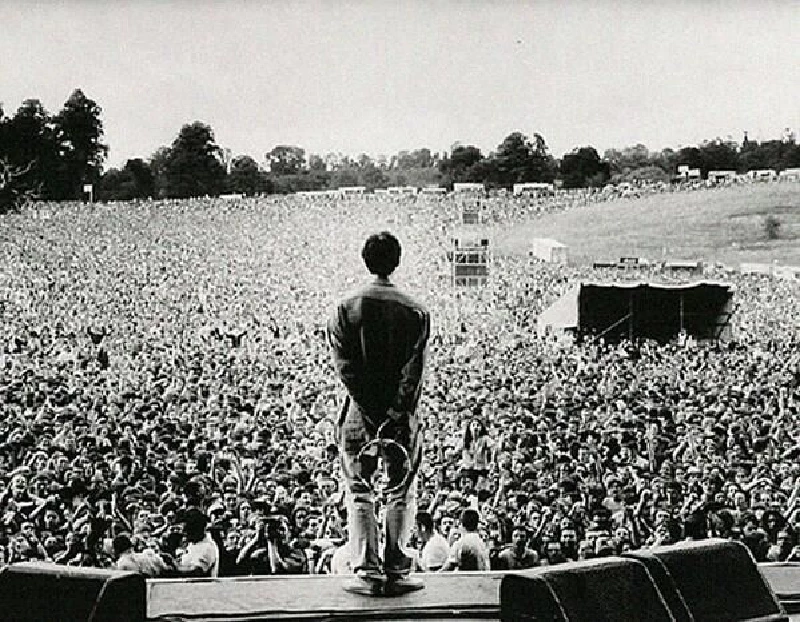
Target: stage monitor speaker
{"type": "Point", "coordinates": [717, 580]}
{"type": "Point", "coordinates": [42, 592]}
{"type": "Point", "coordinates": [666, 585]}
{"type": "Point", "coordinates": [611, 589]}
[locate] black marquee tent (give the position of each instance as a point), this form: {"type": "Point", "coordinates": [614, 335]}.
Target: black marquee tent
{"type": "Point", "coordinates": [643, 310]}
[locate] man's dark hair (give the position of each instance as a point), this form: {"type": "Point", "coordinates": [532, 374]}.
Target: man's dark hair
{"type": "Point", "coordinates": [195, 524]}
{"type": "Point", "coordinates": [520, 527]}
{"type": "Point", "coordinates": [424, 519]}
{"type": "Point", "coordinates": [381, 253]}
{"type": "Point", "coordinates": [696, 526]}
{"type": "Point", "coordinates": [121, 544]}
{"type": "Point", "coordinates": [470, 519]}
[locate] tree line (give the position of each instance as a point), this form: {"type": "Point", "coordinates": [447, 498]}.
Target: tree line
{"type": "Point", "coordinates": [52, 157]}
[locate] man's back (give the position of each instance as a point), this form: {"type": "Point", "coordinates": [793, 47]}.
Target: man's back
{"type": "Point", "coordinates": [435, 552]}
{"type": "Point", "coordinates": [203, 555]}
{"type": "Point", "coordinates": [378, 340]}
{"type": "Point", "coordinates": [469, 552]}
{"type": "Point", "coordinates": [376, 335]}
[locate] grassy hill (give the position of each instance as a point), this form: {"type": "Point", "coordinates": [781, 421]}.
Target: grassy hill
{"type": "Point", "coordinates": [724, 225]}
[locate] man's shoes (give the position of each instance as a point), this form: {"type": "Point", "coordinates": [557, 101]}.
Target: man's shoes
{"type": "Point", "coordinates": [399, 585]}
{"type": "Point", "coordinates": [365, 586]}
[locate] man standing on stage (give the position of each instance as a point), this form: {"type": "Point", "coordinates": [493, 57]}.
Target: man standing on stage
{"type": "Point", "coordinates": [378, 339]}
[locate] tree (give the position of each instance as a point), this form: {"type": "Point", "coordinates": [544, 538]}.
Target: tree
{"type": "Point", "coordinates": [345, 177]}
{"type": "Point", "coordinates": [27, 143]}
{"type": "Point", "coordinates": [718, 155]}
{"type": "Point", "coordinates": [635, 156]}
{"type": "Point", "coordinates": [419, 158]}
{"type": "Point", "coordinates": [631, 158]}
{"type": "Point", "coordinates": [647, 173]}
{"type": "Point", "coordinates": [462, 159]}
{"type": "Point", "coordinates": [245, 177]}
{"type": "Point", "coordinates": [286, 159]}
{"type": "Point", "coordinates": [521, 160]}
{"type": "Point", "coordinates": [372, 177]}
{"type": "Point", "coordinates": [116, 185]}
{"type": "Point", "coordinates": [143, 178]}
{"type": "Point", "coordinates": [193, 167]}
{"type": "Point", "coordinates": [667, 160]}
{"type": "Point", "coordinates": [583, 167]}
{"type": "Point", "coordinates": [158, 166]}
{"type": "Point", "coordinates": [316, 163]}
{"type": "Point", "coordinates": [134, 181]}
{"type": "Point", "coordinates": [26, 133]}
{"type": "Point", "coordinates": [13, 190]}
{"type": "Point", "coordinates": [691, 157]}
{"type": "Point", "coordinates": [791, 156]}
{"type": "Point", "coordinates": [79, 134]}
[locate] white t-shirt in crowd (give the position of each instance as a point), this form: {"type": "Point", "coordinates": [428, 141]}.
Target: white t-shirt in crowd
{"type": "Point", "coordinates": [434, 553]}
{"type": "Point", "coordinates": [469, 552]}
{"type": "Point", "coordinates": [203, 554]}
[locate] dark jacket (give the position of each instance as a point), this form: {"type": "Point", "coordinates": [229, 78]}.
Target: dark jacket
{"type": "Point", "coordinates": [378, 339]}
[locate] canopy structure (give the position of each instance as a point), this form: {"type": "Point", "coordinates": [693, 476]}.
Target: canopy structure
{"type": "Point", "coordinates": [643, 310]}
{"type": "Point", "coordinates": [562, 315]}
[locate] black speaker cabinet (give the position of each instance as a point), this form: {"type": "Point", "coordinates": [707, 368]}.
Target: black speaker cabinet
{"type": "Point", "coordinates": [41, 592]}
{"type": "Point", "coordinates": [715, 580]}
{"type": "Point", "coordinates": [602, 590]}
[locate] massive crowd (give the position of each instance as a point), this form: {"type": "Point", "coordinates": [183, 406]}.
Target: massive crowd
{"type": "Point", "coordinates": [166, 391]}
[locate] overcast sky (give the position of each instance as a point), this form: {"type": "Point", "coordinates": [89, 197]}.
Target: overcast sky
{"type": "Point", "coordinates": [380, 76]}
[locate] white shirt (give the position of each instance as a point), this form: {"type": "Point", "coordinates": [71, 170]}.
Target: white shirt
{"type": "Point", "coordinates": [203, 554]}
{"type": "Point", "coordinates": [435, 552]}
{"type": "Point", "coordinates": [469, 548]}
{"type": "Point", "coordinates": [147, 563]}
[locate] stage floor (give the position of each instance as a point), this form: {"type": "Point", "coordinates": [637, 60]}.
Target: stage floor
{"type": "Point", "coordinates": [463, 595]}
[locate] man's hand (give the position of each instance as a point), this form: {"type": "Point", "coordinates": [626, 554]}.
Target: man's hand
{"type": "Point", "coordinates": [396, 415]}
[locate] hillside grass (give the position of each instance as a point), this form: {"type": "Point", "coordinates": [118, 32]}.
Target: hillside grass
{"type": "Point", "coordinates": [723, 225]}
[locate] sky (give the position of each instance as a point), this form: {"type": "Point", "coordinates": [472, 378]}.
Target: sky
{"type": "Point", "coordinates": [380, 76]}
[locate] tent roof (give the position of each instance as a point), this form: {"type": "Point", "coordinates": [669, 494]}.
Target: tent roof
{"type": "Point", "coordinates": [563, 313]}
{"type": "Point", "coordinates": [673, 286]}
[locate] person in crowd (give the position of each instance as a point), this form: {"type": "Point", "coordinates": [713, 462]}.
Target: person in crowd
{"type": "Point", "coordinates": [146, 563]}
{"type": "Point", "coordinates": [780, 551]}
{"type": "Point", "coordinates": [201, 557]}
{"type": "Point", "coordinates": [270, 552]}
{"type": "Point", "coordinates": [518, 556]}
{"type": "Point", "coordinates": [469, 552]}
{"type": "Point", "coordinates": [378, 341]}
{"type": "Point", "coordinates": [476, 450]}
{"type": "Point", "coordinates": [434, 548]}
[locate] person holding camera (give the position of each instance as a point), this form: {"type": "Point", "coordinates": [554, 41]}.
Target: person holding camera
{"type": "Point", "coordinates": [269, 551]}
{"type": "Point", "coordinates": [378, 338]}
